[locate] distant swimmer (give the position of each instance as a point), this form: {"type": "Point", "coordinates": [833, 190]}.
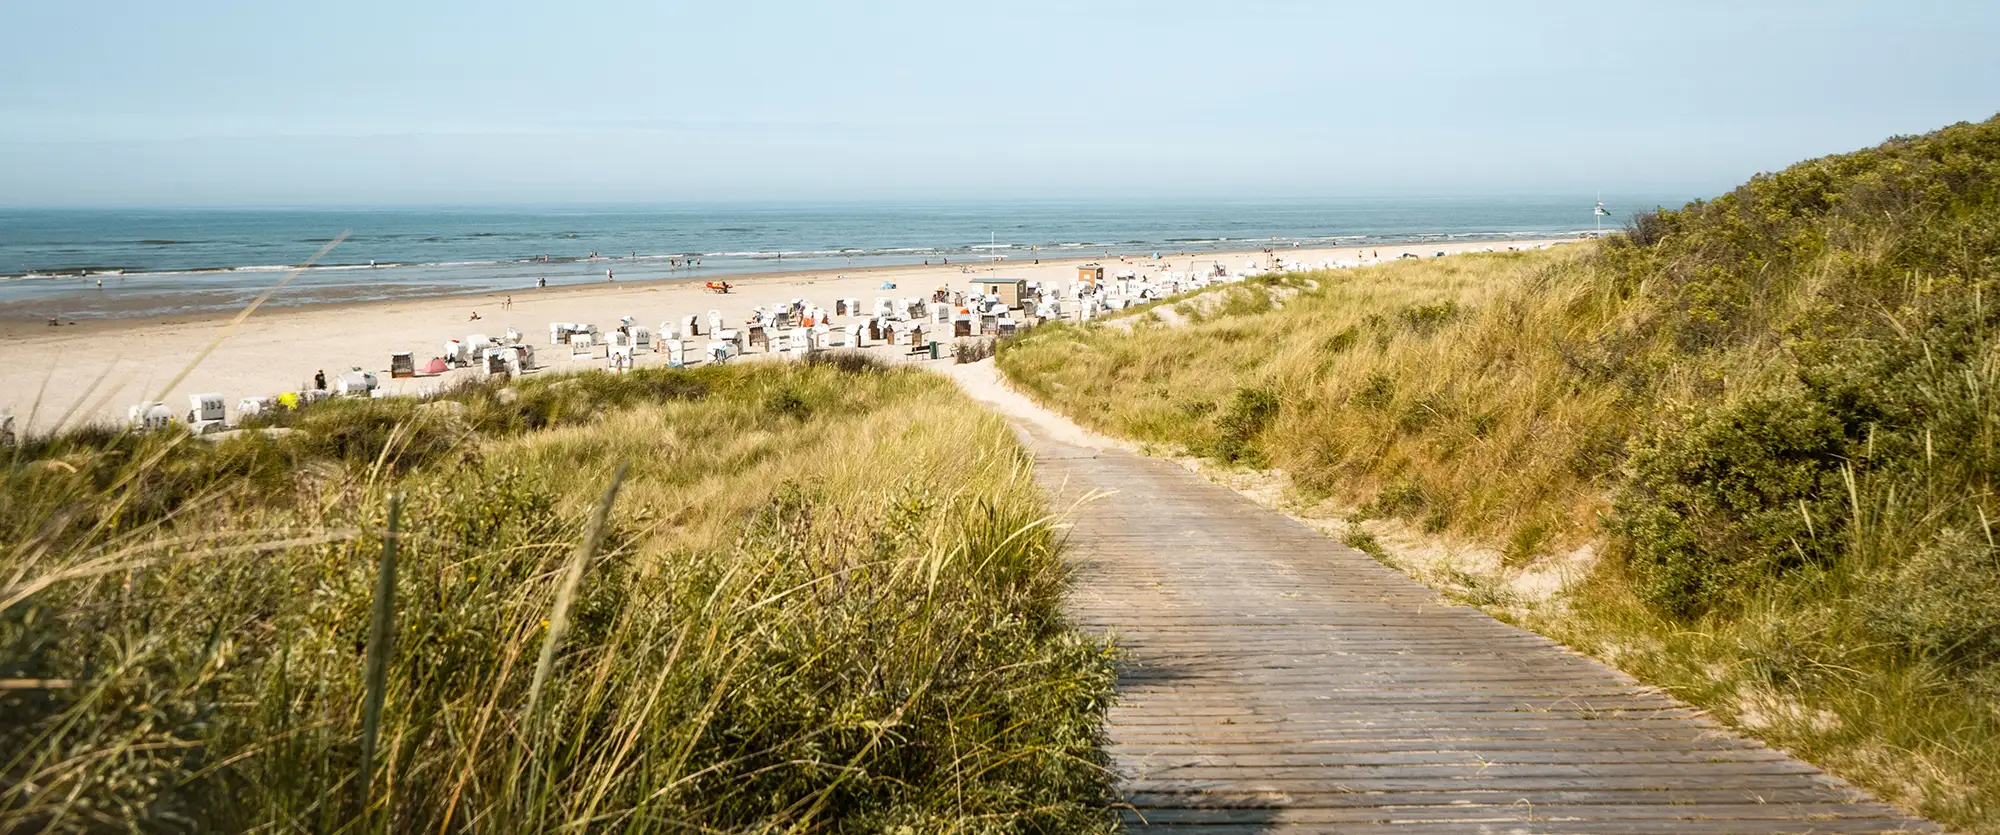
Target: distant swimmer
{"type": "Point", "coordinates": [607, 276]}
{"type": "Point", "coordinates": [371, 262]}
{"type": "Point", "coordinates": [541, 282]}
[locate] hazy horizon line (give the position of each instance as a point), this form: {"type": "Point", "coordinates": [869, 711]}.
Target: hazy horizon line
{"type": "Point", "coordinates": [1586, 198]}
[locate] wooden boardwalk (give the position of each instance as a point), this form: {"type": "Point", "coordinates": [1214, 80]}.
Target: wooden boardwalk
{"type": "Point", "coordinates": [1278, 681]}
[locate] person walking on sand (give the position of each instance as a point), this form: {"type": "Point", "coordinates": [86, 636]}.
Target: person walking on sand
{"type": "Point", "coordinates": [607, 276]}
{"type": "Point", "coordinates": [319, 379]}
{"type": "Point", "coordinates": [508, 304]}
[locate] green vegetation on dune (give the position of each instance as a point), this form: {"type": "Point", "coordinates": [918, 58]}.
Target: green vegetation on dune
{"type": "Point", "coordinates": [825, 600]}
{"type": "Point", "coordinates": [1776, 410]}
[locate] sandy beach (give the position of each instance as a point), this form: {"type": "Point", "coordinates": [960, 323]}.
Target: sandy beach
{"type": "Point", "coordinates": [95, 369]}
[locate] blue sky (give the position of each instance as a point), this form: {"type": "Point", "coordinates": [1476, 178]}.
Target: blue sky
{"type": "Point", "coordinates": [402, 101]}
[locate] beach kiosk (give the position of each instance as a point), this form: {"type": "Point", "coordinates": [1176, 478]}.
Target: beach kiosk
{"type": "Point", "coordinates": [1090, 274]}
{"type": "Point", "coordinates": [1010, 290]}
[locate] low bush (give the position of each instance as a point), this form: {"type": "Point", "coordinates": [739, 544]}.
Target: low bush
{"type": "Point", "coordinates": [1729, 498]}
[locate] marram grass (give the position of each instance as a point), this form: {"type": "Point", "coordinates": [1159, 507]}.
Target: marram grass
{"type": "Point", "coordinates": [1773, 414]}
{"type": "Point", "coordinates": [827, 600]}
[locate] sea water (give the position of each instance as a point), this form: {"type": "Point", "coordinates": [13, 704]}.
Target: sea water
{"type": "Point", "coordinates": [160, 261]}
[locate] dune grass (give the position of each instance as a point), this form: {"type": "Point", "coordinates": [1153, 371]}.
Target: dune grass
{"type": "Point", "coordinates": [824, 597]}
{"type": "Point", "coordinates": [1773, 413]}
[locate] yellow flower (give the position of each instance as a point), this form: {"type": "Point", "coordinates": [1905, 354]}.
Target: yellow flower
{"type": "Point", "coordinates": [545, 623]}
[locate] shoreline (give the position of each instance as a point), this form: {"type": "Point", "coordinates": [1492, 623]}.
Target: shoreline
{"type": "Point", "coordinates": [105, 306]}
{"type": "Point", "coordinates": [12, 323]}
{"type": "Point", "coordinates": [94, 369]}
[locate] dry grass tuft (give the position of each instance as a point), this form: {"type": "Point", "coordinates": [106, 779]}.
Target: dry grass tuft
{"type": "Point", "coordinates": [827, 599]}
{"type": "Point", "coordinates": [1772, 413]}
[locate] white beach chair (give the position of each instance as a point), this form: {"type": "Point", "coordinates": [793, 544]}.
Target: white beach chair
{"type": "Point", "coordinates": [355, 384]}
{"type": "Point", "coordinates": [206, 413]}
{"type": "Point", "coordinates": [149, 416]}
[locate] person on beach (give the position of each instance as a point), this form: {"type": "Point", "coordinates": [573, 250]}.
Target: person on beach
{"type": "Point", "coordinates": [541, 282]}
{"type": "Point", "coordinates": [474, 317]}
{"type": "Point", "coordinates": [319, 379]}
{"type": "Point", "coordinates": [607, 276]}
{"type": "Point", "coordinates": [508, 304]}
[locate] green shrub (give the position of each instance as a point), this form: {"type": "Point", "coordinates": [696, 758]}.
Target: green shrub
{"type": "Point", "coordinates": [1237, 427]}
{"type": "Point", "coordinates": [1729, 498]}
{"type": "Point", "coordinates": [1427, 319]}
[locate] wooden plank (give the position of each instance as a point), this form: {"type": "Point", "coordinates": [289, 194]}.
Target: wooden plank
{"type": "Point", "coordinates": [1519, 813]}
{"type": "Point", "coordinates": [1272, 680]}
{"type": "Point", "coordinates": [1475, 797]}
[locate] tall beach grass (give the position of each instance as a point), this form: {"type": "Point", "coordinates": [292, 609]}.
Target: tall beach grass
{"type": "Point", "coordinates": [1773, 413]}
{"type": "Point", "coordinates": [823, 598]}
